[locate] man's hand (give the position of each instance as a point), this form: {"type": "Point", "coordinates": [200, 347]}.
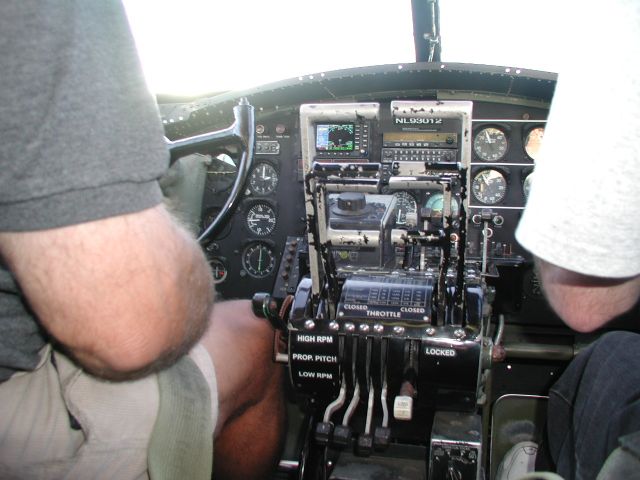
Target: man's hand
{"type": "Point", "coordinates": [123, 295]}
{"type": "Point", "coordinates": [585, 302]}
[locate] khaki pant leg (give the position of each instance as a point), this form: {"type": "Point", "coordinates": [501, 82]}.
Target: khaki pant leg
{"type": "Point", "coordinates": [36, 438]}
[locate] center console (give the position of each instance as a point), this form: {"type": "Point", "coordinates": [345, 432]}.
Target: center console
{"type": "Point", "coordinates": [385, 326]}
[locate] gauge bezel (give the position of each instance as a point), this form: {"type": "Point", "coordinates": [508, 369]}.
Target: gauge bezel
{"type": "Point", "coordinates": [429, 195]}
{"type": "Point", "coordinates": [208, 216]}
{"type": "Point", "coordinates": [416, 203]}
{"type": "Point", "coordinates": [525, 136]}
{"type": "Point", "coordinates": [227, 184]}
{"type": "Point", "coordinates": [526, 177]}
{"type": "Point", "coordinates": [251, 206]}
{"type": "Point", "coordinates": [248, 268]}
{"type": "Point", "coordinates": [505, 132]}
{"type": "Point", "coordinates": [502, 173]}
{"type": "Point", "coordinates": [226, 269]}
{"type": "Point", "coordinates": [253, 170]}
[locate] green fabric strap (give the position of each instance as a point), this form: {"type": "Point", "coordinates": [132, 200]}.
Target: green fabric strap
{"type": "Point", "coordinates": [181, 444]}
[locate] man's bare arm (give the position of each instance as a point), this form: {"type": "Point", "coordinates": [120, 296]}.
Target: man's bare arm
{"type": "Point", "coordinates": [121, 294]}
{"type": "Point", "coordinates": [585, 302]}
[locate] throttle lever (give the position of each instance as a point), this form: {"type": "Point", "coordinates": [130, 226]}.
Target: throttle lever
{"type": "Point", "coordinates": [265, 306]}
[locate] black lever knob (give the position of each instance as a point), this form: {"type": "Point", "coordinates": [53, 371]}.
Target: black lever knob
{"type": "Point", "coordinates": [352, 201]}
{"type": "Point", "coordinates": [264, 306]}
{"type": "Point", "coordinates": [341, 435]}
{"type": "Point", "coordinates": [364, 447]}
{"type": "Point", "coordinates": [381, 438]}
{"type": "Point", "coordinates": [323, 433]}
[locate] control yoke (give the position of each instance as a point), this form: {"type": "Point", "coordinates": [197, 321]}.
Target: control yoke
{"type": "Point", "coordinates": [242, 131]}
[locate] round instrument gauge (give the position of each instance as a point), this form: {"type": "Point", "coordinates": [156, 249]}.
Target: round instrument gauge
{"type": "Point", "coordinates": [209, 216]}
{"type": "Point", "coordinates": [489, 186]}
{"type": "Point", "coordinates": [261, 219]}
{"type": "Point", "coordinates": [490, 144]}
{"type": "Point", "coordinates": [218, 269]}
{"type": "Point", "coordinates": [221, 173]}
{"type": "Point", "coordinates": [526, 185]}
{"type": "Point", "coordinates": [436, 203]}
{"type": "Point", "coordinates": [533, 142]}
{"type": "Point", "coordinates": [406, 209]}
{"type": "Point", "coordinates": [263, 179]}
{"type": "Point", "coordinates": [258, 259]}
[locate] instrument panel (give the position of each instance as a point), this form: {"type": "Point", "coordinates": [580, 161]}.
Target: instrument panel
{"type": "Point", "coordinates": [507, 133]}
{"type": "Point", "coordinates": [503, 161]}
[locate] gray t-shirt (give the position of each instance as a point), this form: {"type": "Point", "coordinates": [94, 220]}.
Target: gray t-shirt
{"type": "Point", "coordinates": [81, 137]}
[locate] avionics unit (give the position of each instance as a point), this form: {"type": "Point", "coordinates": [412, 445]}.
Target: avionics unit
{"type": "Point", "coordinates": [342, 140]}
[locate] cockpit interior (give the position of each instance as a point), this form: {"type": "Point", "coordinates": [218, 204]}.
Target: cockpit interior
{"type": "Point", "coordinates": [370, 215]}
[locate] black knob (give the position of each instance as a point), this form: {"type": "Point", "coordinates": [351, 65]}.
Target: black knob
{"type": "Point", "coordinates": [263, 305]}
{"type": "Point", "coordinates": [364, 447]}
{"type": "Point", "coordinates": [352, 201]}
{"type": "Point", "coordinates": [381, 438]}
{"type": "Point", "coordinates": [341, 435]}
{"type": "Point", "coordinates": [323, 432]}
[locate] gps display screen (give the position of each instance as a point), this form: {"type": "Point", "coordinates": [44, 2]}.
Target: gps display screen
{"type": "Point", "coordinates": [335, 137]}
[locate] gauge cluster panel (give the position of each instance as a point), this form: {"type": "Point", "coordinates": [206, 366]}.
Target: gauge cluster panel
{"type": "Point", "coordinates": [245, 256]}
{"type": "Point", "coordinates": [504, 154]}
{"type": "Point", "coordinates": [505, 143]}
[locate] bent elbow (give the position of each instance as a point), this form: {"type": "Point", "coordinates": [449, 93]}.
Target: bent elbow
{"type": "Point", "coordinates": [135, 351]}
{"type": "Point", "coordinates": [119, 359]}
